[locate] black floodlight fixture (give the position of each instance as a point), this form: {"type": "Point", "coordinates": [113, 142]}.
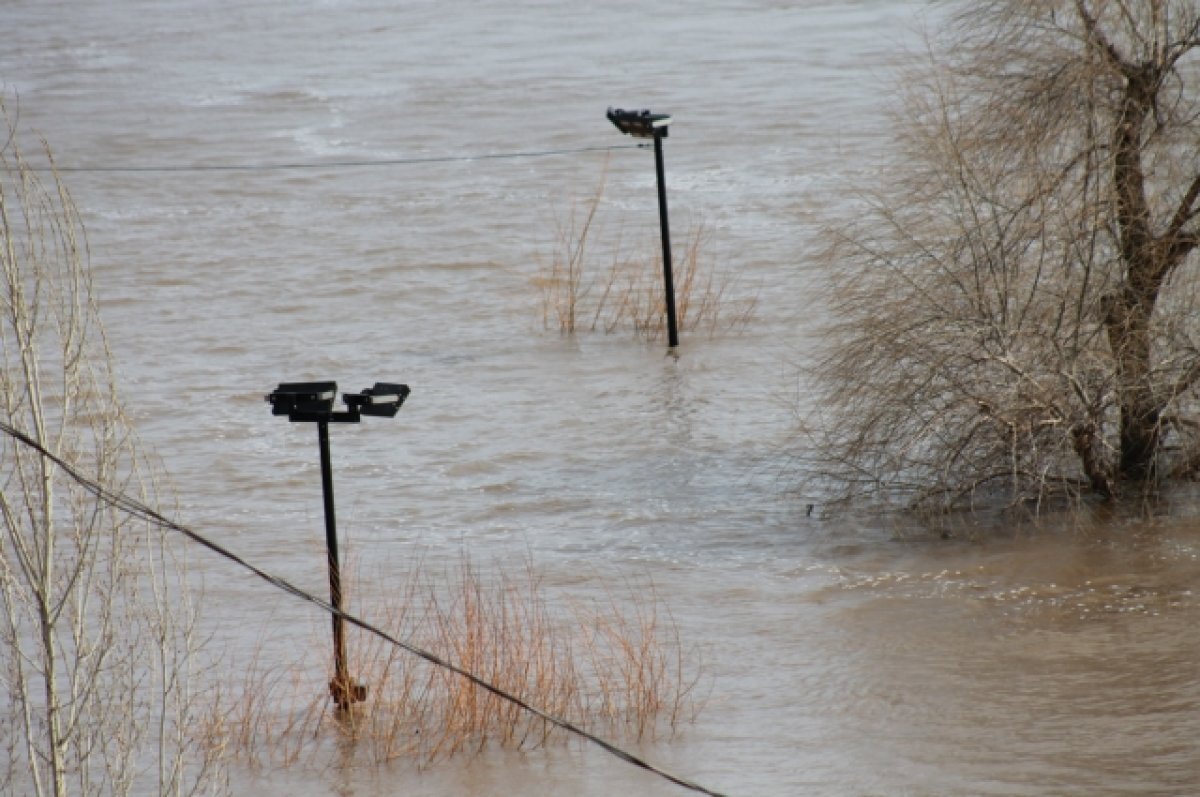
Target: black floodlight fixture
{"type": "Point", "coordinates": [312, 402]}
{"type": "Point", "coordinates": [382, 400]}
{"type": "Point", "coordinates": [643, 124]}
{"type": "Point", "coordinates": [640, 124]}
{"type": "Point", "coordinates": [291, 397]}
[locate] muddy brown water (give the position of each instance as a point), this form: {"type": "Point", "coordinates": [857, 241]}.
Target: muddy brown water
{"type": "Point", "coordinates": [841, 657]}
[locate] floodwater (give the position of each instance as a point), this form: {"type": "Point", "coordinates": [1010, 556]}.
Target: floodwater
{"type": "Point", "coordinates": [840, 656]}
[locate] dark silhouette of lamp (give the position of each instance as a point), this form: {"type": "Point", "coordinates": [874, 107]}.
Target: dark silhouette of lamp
{"type": "Point", "coordinates": [313, 402]}
{"type": "Point", "coordinates": [643, 124]}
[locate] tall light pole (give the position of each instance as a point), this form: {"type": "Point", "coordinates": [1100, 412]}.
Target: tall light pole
{"type": "Point", "coordinates": [643, 124]}
{"type": "Point", "coordinates": [313, 402]}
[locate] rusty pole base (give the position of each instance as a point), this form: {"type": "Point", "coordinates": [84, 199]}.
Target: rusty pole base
{"type": "Point", "coordinates": [346, 692]}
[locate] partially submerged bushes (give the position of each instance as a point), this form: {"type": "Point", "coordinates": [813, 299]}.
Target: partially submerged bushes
{"type": "Point", "coordinates": [624, 291]}
{"type": "Point", "coordinates": [616, 667]}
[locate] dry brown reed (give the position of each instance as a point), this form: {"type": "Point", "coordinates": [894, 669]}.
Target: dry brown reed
{"type": "Point", "coordinates": [625, 291]}
{"type": "Point", "coordinates": [636, 665]}
{"type": "Point", "coordinates": [615, 666]}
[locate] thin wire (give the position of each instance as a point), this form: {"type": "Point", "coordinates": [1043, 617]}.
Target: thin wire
{"type": "Point", "coordinates": [342, 164]}
{"type": "Point", "coordinates": [144, 512]}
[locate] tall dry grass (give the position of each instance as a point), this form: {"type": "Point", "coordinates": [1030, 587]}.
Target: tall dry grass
{"type": "Point", "coordinates": [619, 290]}
{"type": "Point", "coordinates": [615, 666]}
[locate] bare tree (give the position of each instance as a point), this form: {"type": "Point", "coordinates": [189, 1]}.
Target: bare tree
{"type": "Point", "coordinates": [1015, 310]}
{"type": "Point", "coordinates": [96, 635]}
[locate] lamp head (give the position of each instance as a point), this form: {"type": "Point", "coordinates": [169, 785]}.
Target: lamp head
{"type": "Point", "coordinates": [640, 124]}
{"type": "Point", "coordinates": [292, 397]}
{"type": "Point", "coordinates": [382, 400]}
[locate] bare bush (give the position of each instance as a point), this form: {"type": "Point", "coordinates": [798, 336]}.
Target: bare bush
{"type": "Point", "coordinates": [96, 634]}
{"type": "Point", "coordinates": [1015, 308]}
{"type": "Point", "coordinates": [616, 666]}
{"type": "Point", "coordinates": [581, 292]}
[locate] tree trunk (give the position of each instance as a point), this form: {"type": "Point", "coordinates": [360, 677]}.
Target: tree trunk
{"type": "Point", "coordinates": [1127, 324]}
{"type": "Point", "coordinates": [1128, 317]}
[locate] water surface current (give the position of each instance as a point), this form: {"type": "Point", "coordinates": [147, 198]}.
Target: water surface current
{"type": "Point", "coordinates": [841, 658]}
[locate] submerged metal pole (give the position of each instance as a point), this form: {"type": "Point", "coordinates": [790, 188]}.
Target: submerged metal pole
{"type": "Point", "coordinates": [312, 402]}
{"type": "Point", "coordinates": [668, 277]}
{"type": "Point", "coordinates": [339, 687]}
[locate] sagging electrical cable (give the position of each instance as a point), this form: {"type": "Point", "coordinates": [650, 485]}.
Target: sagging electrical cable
{"type": "Point", "coordinates": [139, 510]}
{"type": "Point", "coordinates": [339, 164]}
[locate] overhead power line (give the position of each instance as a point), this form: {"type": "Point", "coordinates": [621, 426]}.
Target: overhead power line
{"type": "Point", "coordinates": [137, 509]}
{"type": "Point", "coordinates": [336, 164]}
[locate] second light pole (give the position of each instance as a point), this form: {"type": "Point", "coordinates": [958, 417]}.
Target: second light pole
{"type": "Point", "coordinates": [643, 124]}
